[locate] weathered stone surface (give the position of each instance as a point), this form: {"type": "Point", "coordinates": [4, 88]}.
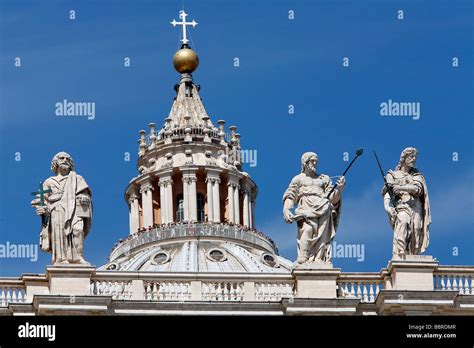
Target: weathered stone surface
{"type": "Point", "coordinates": [413, 272]}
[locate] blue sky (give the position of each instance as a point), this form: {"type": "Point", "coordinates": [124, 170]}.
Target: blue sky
{"type": "Point", "coordinates": [282, 62]}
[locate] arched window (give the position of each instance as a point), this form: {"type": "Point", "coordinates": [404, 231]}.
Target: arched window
{"type": "Point", "coordinates": [200, 207]}
{"type": "Point", "coordinates": [179, 208]}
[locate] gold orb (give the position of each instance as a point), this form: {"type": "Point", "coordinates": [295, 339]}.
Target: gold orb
{"type": "Point", "coordinates": [185, 60]}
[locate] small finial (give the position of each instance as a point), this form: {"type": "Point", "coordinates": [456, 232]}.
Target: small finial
{"type": "Point", "coordinates": [142, 143]}
{"type": "Point", "coordinates": [221, 124]}
{"type": "Point", "coordinates": [232, 132]}
{"type": "Point", "coordinates": [237, 137]}
{"type": "Point", "coordinates": [187, 118]}
{"type": "Point", "coordinates": [152, 126]}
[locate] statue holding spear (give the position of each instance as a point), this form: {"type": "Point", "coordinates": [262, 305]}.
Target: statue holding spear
{"type": "Point", "coordinates": [318, 209]}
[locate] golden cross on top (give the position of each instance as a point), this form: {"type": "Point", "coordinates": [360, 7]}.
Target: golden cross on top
{"type": "Point", "coordinates": [183, 16]}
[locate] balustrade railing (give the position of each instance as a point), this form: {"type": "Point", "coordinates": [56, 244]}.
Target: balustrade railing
{"type": "Point", "coordinates": [223, 291]}
{"type": "Point", "coordinates": [119, 290]}
{"type": "Point", "coordinates": [179, 287]}
{"type": "Point", "coordinates": [180, 133]}
{"type": "Point", "coordinates": [273, 291]}
{"type": "Point", "coordinates": [454, 278]}
{"type": "Point", "coordinates": [179, 231]}
{"type": "Point", "coordinates": [363, 286]}
{"type": "Point", "coordinates": [234, 287]}
{"type": "Point", "coordinates": [167, 290]}
{"type": "Point", "coordinates": [11, 291]}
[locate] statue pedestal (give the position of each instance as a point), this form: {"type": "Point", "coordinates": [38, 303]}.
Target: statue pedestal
{"type": "Point", "coordinates": [412, 272]}
{"type": "Point", "coordinates": [69, 279]}
{"type": "Point", "coordinates": [316, 280]}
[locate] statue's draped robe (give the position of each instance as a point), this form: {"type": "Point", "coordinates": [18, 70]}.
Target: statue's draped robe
{"type": "Point", "coordinates": [317, 228]}
{"type": "Point", "coordinates": [413, 215]}
{"type": "Point", "coordinates": [63, 220]}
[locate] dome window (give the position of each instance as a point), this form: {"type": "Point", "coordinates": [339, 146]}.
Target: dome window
{"type": "Point", "coordinates": [112, 267]}
{"type": "Point", "coordinates": [269, 260]}
{"type": "Point", "coordinates": [216, 255]}
{"type": "Point", "coordinates": [159, 258]}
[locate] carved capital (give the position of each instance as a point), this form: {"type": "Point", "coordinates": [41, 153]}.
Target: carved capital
{"type": "Point", "coordinates": [164, 182]}
{"type": "Point", "coordinates": [188, 179]}
{"type": "Point", "coordinates": [233, 184]}
{"type": "Point", "coordinates": [131, 199]}
{"type": "Point", "coordinates": [146, 187]}
{"type": "Point", "coordinates": [246, 190]}
{"type": "Point", "coordinates": [213, 179]}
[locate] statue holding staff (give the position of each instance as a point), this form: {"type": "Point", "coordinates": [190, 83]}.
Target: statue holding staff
{"type": "Point", "coordinates": [317, 212]}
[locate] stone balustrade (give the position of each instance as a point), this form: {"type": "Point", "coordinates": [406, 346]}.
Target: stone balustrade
{"type": "Point", "coordinates": [363, 286]}
{"type": "Point", "coordinates": [231, 287]}
{"type": "Point", "coordinates": [192, 286]}
{"type": "Point", "coordinates": [152, 139]}
{"type": "Point", "coordinates": [156, 234]}
{"type": "Point", "coordinates": [275, 291]}
{"type": "Point", "coordinates": [119, 290]}
{"type": "Point", "coordinates": [167, 290]}
{"type": "Point", "coordinates": [223, 291]}
{"type": "Point", "coordinates": [454, 278]}
{"type": "Point", "coordinates": [11, 291]}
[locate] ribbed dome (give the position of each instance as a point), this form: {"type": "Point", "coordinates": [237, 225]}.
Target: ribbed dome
{"type": "Point", "coordinates": [201, 256]}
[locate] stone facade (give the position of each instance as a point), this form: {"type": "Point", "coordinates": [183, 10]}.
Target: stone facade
{"type": "Point", "coordinates": [447, 290]}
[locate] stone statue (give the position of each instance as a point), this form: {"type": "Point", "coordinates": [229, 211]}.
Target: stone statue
{"type": "Point", "coordinates": [66, 212]}
{"type": "Point", "coordinates": [410, 218]}
{"type": "Point", "coordinates": [317, 215]}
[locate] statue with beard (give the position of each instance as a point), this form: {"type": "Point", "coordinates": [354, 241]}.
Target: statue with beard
{"type": "Point", "coordinates": [317, 214]}
{"type": "Point", "coordinates": [66, 212]}
{"type": "Point", "coordinates": [410, 218]}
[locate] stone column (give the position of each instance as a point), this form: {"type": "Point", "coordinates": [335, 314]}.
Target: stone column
{"type": "Point", "coordinates": [210, 198]}
{"type": "Point", "coordinates": [236, 204]}
{"type": "Point", "coordinates": [166, 196]}
{"type": "Point", "coordinates": [169, 200]}
{"type": "Point", "coordinates": [134, 214]}
{"type": "Point", "coordinates": [189, 194]}
{"type": "Point", "coordinates": [147, 203]}
{"type": "Point", "coordinates": [216, 199]}
{"type": "Point", "coordinates": [246, 211]}
{"type": "Point", "coordinates": [234, 182]}
{"type": "Point", "coordinates": [185, 198]}
{"type": "Point", "coordinates": [192, 198]}
{"type": "Point", "coordinates": [251, 212]}
{"type": "Point", "coordinates": [163, 205]}
{"type": "Point", "coordinates": [213, 196]}
{"type": "Point", "coordinates": [230, 199]}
